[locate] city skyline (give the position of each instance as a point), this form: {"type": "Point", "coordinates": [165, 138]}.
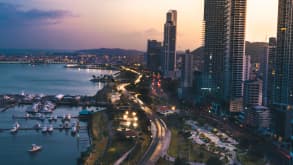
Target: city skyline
{"type": "Point", "coordinates": [79, 25]}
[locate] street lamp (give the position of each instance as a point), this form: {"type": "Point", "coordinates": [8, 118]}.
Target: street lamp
{"type": "Point", "coordinates": [125, 117]}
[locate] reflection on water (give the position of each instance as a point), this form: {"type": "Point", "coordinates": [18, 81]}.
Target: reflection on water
{"type": "Point", "coordinates": [47, 79]}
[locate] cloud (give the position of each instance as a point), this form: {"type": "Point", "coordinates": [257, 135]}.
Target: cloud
{"type": "Point", "coordinates": [12, 15]}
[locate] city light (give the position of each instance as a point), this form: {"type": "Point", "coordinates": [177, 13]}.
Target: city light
{"type": "Point", "coordinates": [130, 120]}
{"type": "Point", "coordinates": [173, 108]}
{"type": "Point", "coordinates": [125, 117]}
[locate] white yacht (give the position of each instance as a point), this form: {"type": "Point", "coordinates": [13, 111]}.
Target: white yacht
{"type": "Point", "coordinates": [13, 130]}
{"type": "Point", "coordinates": [35, 148]}
{"type": "Point", "coordinates": [50, 129]}
{"type": "Point", "coordinates": [37, 125]}
{"type": "Point", "coordinates": [73, 130]}
{"type": "Point", "coordinates": [45, 129]}
{"type": "Point", "coordinates": [16, 125]}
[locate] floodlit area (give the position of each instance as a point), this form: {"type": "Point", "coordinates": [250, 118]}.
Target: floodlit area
{"type": "Point", "coordinates": [214, 140]}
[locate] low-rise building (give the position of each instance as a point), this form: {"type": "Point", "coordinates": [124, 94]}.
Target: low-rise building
{"type": "Point", "coordinates": [258, 117]}
{"type": "Point", "coordinates": [252, 93]}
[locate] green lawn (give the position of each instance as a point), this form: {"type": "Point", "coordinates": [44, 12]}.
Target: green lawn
{"type": "Point", "coordinates": [116, 150]}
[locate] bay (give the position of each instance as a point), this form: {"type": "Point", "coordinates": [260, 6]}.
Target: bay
{"type": "Point", "coordinates": [47, 79]}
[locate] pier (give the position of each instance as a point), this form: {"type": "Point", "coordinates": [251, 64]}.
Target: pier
{"type": "Point", "coordinates": [40, 129]}
{"type": "Point", "coordinates": [41, 118]}
{"type": "Point", "coordinates": [7, 107]}
{"type": "Point", "coordinates": [11, 100]}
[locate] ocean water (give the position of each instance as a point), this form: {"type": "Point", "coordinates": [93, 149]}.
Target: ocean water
{"type": "Point", "coordinates": [47, 79]}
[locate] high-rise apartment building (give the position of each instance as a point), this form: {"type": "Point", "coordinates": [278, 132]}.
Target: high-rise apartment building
{"type": "Point", "coordinates": [216, 46]}
{"type": "Point", "coordinates": [283, 70]}
{"type": "Point", "coordinates": [269, 72]}
{"type": "Point", "coordinates": [154, 52]}
{"type": "Point", "coordinates": [283, 63]}
{"type": "Point", "coordinates": [225, 48]}
{"type": "Point", "coordinates": [237, 46]}
{"type": "Point", "coordinates": [169, 44]}
{"type": "Point", "coordinates": [187, 70]}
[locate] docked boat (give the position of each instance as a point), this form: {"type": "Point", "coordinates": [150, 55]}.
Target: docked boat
{"type": "Point", "coordinates": [67, 117]}
{"type": "Point", "coordinates": [101, 78]}
{"type": "Point", "coordinates": [35, 148]}
{"type": "Point", "coordinates": [37, 126]}
{"type": "Point", "coordinates": [35, 108]}
{"type": "Point", "coordinates": [50, 105]}
{"type": "Point", "coordinates": [55, 118]}
{"type": "Point", "coordinates": [45, 129]}
{"type": "Point", "coordinates": [27, 115]}
{"type": "Point", "coordinates": [50, 119]}
{"type": "Point", "coordinates": [42, 117]}
{"type": "Point", "coordinates": [46, 111]}
{"type": "Point", "coordinates": [73, 130]}
{"type": "Point", "coordinates": [66, 125]}
{"type": "Point", "coordinates": [50, 129]}
{"type": "Point", "coordinates": [14, 130]}
{"type": "Point", "coordinates": [16, 125]}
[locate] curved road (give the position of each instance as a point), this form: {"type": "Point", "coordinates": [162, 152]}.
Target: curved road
{"type": "Point", "coordinates": [161, 135]}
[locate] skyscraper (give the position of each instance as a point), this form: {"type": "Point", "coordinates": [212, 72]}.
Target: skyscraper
{"type": "Point", "coordinates": [225, 48]}
{"type": "Point", "coordinates": [187, 71]}
{"type": "Point", "coordinates": [283, 75]}
{"type": "Point", "coordinates": [247, 68]}
{"type": "Point", "coordinates": [169, 45]}
{"type": "Point", "coordinates": [237, 46]}
{"type": "Point", "coordinates": [154, 51]}
{"type": "Point", "coordinates": [269, 74]}
{"type": "Point", "coordinates": [283, 63]}
{"type": "Point", "coordinates": [216, 46]}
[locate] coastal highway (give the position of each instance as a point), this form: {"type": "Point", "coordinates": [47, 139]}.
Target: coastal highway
{"type": "Point", "coordinates": [161, 135]}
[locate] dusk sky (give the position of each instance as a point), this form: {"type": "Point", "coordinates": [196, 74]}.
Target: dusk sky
{"type": "Point", "coordinates": [81, 24]}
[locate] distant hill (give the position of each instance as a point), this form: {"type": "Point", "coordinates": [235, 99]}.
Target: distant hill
{"type": "Point", "coordinates": [199, 52]}
{"type": "Point", "coordinates": [101, 51]}
{"type": "Point", "coordinates": [113, 52]}
{"type": "Point", "coordinates": [34, 52]}
{"type": "Point", "coordinates": [256, 50]}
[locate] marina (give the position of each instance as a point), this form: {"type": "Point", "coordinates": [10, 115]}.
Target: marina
{"type": "Point", "coordinates": [43, 109]}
